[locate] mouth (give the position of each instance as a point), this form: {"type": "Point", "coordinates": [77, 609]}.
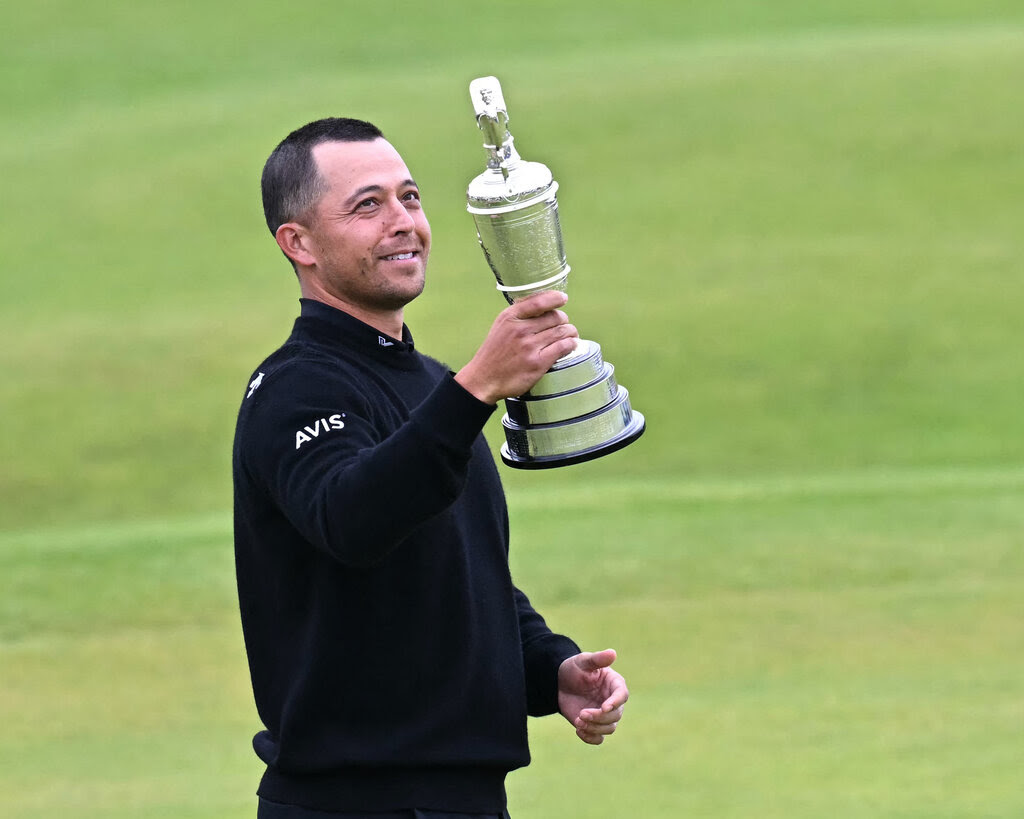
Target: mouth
{"type": "Point", "coordinates": [400, 257]}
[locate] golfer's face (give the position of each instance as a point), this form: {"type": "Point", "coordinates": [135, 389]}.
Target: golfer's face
{"type": "Point", "coordinates": [370, 235]}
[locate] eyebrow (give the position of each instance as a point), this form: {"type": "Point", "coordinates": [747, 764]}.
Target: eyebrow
{"type": "Point", "coordinates": [356, 195]}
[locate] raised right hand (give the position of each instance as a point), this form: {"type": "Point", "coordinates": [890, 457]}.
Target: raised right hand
{"type": "Point", "coordinates": [524, 341]}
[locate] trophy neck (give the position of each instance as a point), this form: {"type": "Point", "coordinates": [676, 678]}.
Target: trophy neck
{"type": "Point", "coordinates": [502, 155]}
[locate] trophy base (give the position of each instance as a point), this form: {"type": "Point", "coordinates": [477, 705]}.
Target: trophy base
{"type": "Point", "coordinates": [633, 430]}
{"type": "Point", "coordinates": [576, 412]}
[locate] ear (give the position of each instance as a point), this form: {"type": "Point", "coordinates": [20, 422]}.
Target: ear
{"type": "Point", "coordinates": [296, 243]}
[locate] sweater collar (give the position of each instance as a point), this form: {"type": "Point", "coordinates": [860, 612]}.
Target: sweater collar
{"type": "Point", "coordinates": [336, 326]}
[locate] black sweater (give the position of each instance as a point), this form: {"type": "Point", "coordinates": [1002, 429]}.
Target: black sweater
{"type": "Point", "coordinates": [393, 662]}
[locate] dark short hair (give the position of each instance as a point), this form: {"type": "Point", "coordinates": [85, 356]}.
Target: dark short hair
{"type": "Point", "coordinates": [291, 182]}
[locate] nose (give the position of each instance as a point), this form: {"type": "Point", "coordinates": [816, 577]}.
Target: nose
{"type": "Point", "coordinates": [400, 220]}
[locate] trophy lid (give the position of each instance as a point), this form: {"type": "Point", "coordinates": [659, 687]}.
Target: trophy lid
{"type": "Point", "coordinates": [508, 179]}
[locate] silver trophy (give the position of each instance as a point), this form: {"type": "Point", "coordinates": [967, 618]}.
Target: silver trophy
{"type": "Point", "coordinates": [576, 411]}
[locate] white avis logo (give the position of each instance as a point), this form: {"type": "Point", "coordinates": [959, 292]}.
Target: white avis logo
{"type": "Point", "coordinates": [323, 425]}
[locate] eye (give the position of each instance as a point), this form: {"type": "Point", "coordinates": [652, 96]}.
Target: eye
{"type": "Point", "coordinates": [367, 204]}
{"type": "Point", "coordinates": [411, 196]}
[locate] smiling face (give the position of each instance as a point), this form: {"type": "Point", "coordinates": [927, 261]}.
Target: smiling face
{"type": "Point", "coordinates": [364, 245]}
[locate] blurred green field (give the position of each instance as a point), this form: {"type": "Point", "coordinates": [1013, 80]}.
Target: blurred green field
{"type": "Point", "coordinates": [794, 228]}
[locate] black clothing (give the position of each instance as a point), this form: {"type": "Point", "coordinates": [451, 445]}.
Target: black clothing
{"type": "Point", "coordinates": [272, 810]}
{"type": "Point", "coordinates": [393, 662]}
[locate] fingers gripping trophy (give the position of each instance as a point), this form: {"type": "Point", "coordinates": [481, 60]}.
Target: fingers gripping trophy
{"type": "Point", "coordinates": [576, 411]}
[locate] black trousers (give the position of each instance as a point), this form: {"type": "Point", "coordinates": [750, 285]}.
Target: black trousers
{"type": "Point", "coordinates": [273, 810]}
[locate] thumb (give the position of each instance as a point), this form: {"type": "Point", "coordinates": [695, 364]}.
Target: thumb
{"type": "Point", "coordinates": [592, 661]}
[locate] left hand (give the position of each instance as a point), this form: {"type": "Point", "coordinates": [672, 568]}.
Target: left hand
{"type": "Point", "coordinates": [590, 695]}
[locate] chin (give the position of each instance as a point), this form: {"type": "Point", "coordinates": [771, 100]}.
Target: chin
{"type": "Point", "coordinates": [400, 297]}
{"type": "Point", "coordinates": [414, 289]}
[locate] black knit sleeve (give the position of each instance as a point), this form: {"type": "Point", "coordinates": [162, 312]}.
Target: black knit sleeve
{"type": "Point", "coordinates": [543, 652]}
{"type": "Point", "coordinates": [325, 456]}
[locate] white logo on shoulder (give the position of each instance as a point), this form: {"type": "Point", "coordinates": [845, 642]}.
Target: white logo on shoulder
{"type": "Point", "coordinates": [254, 385]}
{"type": "Point", "coordinates": [383, 342]}
{"type": "Point", "coordinates": [321, 425]}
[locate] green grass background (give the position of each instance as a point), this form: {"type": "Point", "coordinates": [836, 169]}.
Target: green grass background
{"type": "Point", "coordinates": [795, 229]}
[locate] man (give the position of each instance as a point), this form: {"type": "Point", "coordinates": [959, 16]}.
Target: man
{"type": "Point", "coordinates": [393, 661]}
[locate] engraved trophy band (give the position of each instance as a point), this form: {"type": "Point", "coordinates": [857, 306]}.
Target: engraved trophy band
{"type": "Point", "coordinates": [576, 411]}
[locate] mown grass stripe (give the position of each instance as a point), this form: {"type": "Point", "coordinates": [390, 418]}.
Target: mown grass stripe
{"type": "Point", "coordinates": [160, 111]}
{"type": "Point", "coordinates": [796, 487]}
{"type": "Point", "coordinates": [810, 486]}
{"type": "Point", "coordinates": [116, 533]}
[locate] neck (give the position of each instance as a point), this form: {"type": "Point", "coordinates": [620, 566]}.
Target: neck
{"type": "Point", "coordinates": [388, 322]}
